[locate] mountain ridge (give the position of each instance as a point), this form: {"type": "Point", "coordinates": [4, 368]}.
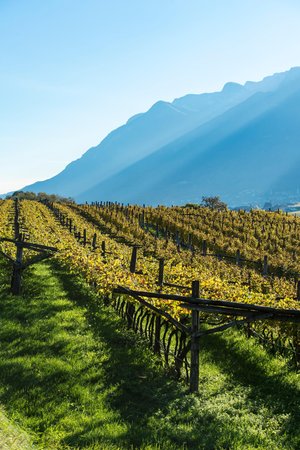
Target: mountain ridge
{"type": "Point", "coordinates": [145, 134]}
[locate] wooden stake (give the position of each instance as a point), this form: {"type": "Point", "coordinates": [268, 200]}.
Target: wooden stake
{"type": "Point", "coordinates": [133, 259]}
{"type": "Point", "coordinates": [17, 272]}
{"type": "Point", "coordinates": [195, 289]}
{"type": "Point", "coordinates": [161, 272]}
{"type": "Point", "coordinates": [195, 349]}
{"type": "Point", "coordinates": [94, 241]}
{"type": "Point", "coordinates": [103, 248]}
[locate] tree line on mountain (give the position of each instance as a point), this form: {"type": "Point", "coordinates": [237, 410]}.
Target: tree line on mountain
{"type": "Point", "coordinates": [41, 196]}
{"type": "Point", "coordinates": [208, 202]}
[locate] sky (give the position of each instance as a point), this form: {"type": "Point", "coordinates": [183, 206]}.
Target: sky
{"type": "Point", "coordinates": [71, 71]}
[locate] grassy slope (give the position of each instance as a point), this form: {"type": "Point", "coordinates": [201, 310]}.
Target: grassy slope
{"type": "Point", "coordinates": [72, 375]}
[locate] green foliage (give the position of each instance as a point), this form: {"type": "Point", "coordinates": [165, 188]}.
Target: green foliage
{"type": "Point", "coordinates": [214, 203]}
{"type": "Point", "coordinates": [41, 196]}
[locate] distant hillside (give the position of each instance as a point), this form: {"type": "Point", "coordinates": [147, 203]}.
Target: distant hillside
{"type": "Point", "coordinates": [241, 143]}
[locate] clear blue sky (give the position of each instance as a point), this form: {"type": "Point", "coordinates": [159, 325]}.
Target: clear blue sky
{"type": "Point", "coordinates": [73, 70]}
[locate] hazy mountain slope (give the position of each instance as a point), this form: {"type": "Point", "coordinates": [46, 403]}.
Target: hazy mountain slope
{"type": "Point", "coordinates": [145, 133]}
{"type": "Point", "coordinates": [240, 156]}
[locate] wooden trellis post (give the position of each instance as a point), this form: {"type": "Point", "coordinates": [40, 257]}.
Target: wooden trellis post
{"type": "Point", "coordinates": [103, 248]}
{"type": "Point", "coordinates": [161, 272]}
{"type": "Point", "coordinates": [194, 376]}
{"type": "Point", "coordinates": [17, 272]}
{"type": "Point", "coordinates": [94, 240]}
{"type": "Point", "coordinates": [133, 259]}
{"type": "Point", "coordinates": [18, 264]}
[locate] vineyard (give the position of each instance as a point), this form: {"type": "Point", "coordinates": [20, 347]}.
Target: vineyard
{"type": "Point", "coordinates": [164, 250]}
{"type": "Point", "coordinates": [173, 274]}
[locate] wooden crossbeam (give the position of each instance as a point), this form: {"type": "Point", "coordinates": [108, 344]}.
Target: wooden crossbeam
{"type": "Point", "coordinates": [2, 239]}
{"type": "Point", "coordinates": [210, 305]}
{"type": "Point", "coordinates": [29, 245]}
{"type": "Point", "coordinates": [217, 310]}
{"type": "Point", "coordinates": [37, 247]}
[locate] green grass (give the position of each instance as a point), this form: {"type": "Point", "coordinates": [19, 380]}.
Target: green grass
{"type": "Point", "coordinates": [74, 377]}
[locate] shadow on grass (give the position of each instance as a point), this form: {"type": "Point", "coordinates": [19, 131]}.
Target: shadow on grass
{"type": "Point", "coordinates": [154, 408]}
{"type": "Point", "coordinates": [140, 389]}
{"type": "Point", "coordinates": [249, 366]}
{"type": "Point", "coordinates": [138, 385]}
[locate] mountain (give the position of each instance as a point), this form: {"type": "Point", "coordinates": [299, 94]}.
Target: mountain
{"type": "Point", "coordinates": [229, 143]}
{"type": "Point", "coordinates": [241, 155]}
{"type": "Point", "coordinates": [139, 137]}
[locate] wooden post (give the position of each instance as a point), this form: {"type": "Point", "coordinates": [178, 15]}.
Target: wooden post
{"type": "Point", "coordinates": [161, 272]}
{"type": "Point", "coordinates": [265, 266]}
{"type": "Point", "coordinates": [94, 240]}
{"type": "Point", "coordinates": [194, 376]}
{"type": "Point", "coordinates": [17, 272]}
{"type": "Point", "coordinates": [133, 259]}
{"type": "Point", "coordinates": [84, 237]}
{"type": "Point", "coordinates": [204, 248]}
{"type": "Point", "coordinates": [70, 225]}
{"type": "Point", "coordinates": [195, 289]}
{"type": "Point", "coordinates": [103, 248]}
